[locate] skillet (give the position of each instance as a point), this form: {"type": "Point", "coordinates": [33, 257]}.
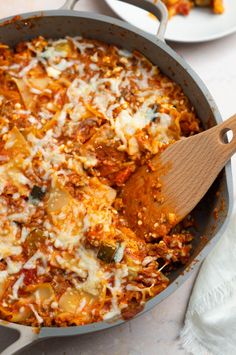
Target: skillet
{"type": "Point", "coordinates": [66, 21]}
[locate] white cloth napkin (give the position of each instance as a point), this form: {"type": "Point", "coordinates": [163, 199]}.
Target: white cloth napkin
{"type": "Point", "coordinates": [210, 323]}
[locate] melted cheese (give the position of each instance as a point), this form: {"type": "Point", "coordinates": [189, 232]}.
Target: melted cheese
{"type": "Point", "coordinates": [119, 274]}
{"type": "Point", "coordinates": [37, 316]}
{"type": "Point", "coordinates": [13, 267]}
{"type": "Point", "coordinates": [24, 234]}
{"type": "Point", "coordinates": [31, 263]}
{"type": "Point", "coordinates": [80, 45]}
{"type": "Point", "coordinates": [3, 276]}
{"type": "Point", "coordinates": [51, 53]}
{"type": "Point", "coordinates": [26, 69]}
{"type": "Point", "coordinates": [82, 89]}
{"type": "Point", "coordinates": [70, 267]}
{"type": "Point", "coordinates": [119, 253]}
{"type": "Point", "coordinates": [53, 72]}
{"type": "Point", "coordinates": [17, 285]}
{"type": "Point", "coordinates": [8, 243]}
{"type": "Point", "coordinates": [89, 263]}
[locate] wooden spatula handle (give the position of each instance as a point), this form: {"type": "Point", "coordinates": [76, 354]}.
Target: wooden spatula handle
{"type": "Point", "coordinates": [224, 149]}
{"type": "Point", "coordinates": [228, 125]}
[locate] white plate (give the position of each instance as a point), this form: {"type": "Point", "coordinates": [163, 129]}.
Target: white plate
{"type": "Point", "coordinates": [199, 26]}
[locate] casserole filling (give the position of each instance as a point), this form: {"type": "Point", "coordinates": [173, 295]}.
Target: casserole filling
{"type": "Point", "coordinates": [183, 7]}
{"type": "Point", "coordinates": [77, 117]}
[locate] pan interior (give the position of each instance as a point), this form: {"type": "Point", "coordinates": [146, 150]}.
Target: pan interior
{"type": "Point", "coordinates": [59, 24]}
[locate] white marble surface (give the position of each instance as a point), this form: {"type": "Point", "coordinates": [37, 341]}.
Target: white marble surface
{"type": "Point", "coordinates": [156, 332]}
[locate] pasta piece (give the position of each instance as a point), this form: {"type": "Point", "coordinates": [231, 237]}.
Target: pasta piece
{"type": "Point", "coordinates": [58, 199]}
{"type": "Point", "coordinates": [16, 143]}
{"type": "Point", "coordinates": [65, 47]}
{"type": "Point", "coordinates": [51, 123]}
{"type": "Point", "coordinates": [3, 285]}
{"type": "Point", "coordinates": [218, 6]}
{"type": "Point", "coordinates": [73, 301]}
{"type": "Point", "coordinates": [21, 315]}
{"type": "Point", "coordinates": [26, 94]}
{"type": "Point", "coordinates": [100, 191]}
{"type": "Point", "coordinates": [40, 83]}
{"type": "Point", "coordinates": [183, 7]}
{"type": "Point", "coordinates": [10, 172]}
{"type": "Point", "coordinates": [5, 313]}
{"type": "Point", "coordinates": [41, 293]}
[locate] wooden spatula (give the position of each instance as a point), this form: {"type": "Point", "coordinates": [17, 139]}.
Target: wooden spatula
{"type": "Point", "coordinates": [157, 198]}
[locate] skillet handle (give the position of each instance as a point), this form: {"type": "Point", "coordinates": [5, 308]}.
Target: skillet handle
{"type": "Point", "coordinates": [157, 8]}
{"type": "Point", "coordinates": [27, 336]}
{"type": "Point", "coordinates": [69, 5]}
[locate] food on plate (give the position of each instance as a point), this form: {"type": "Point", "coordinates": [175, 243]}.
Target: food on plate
{"type": "Point", "coordinates": [183, 7]}
{"type": "Point", "coordinates": [77, 117]}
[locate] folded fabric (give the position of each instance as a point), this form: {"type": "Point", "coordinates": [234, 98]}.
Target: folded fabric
{"type": "Point", "coordinates": [210, 323]}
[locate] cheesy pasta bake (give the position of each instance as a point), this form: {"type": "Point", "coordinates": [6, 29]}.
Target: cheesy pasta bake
{"type": "Point", "coordinates": [77, 117]}
{"type": "Point", "coordinates": [183, 7]}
